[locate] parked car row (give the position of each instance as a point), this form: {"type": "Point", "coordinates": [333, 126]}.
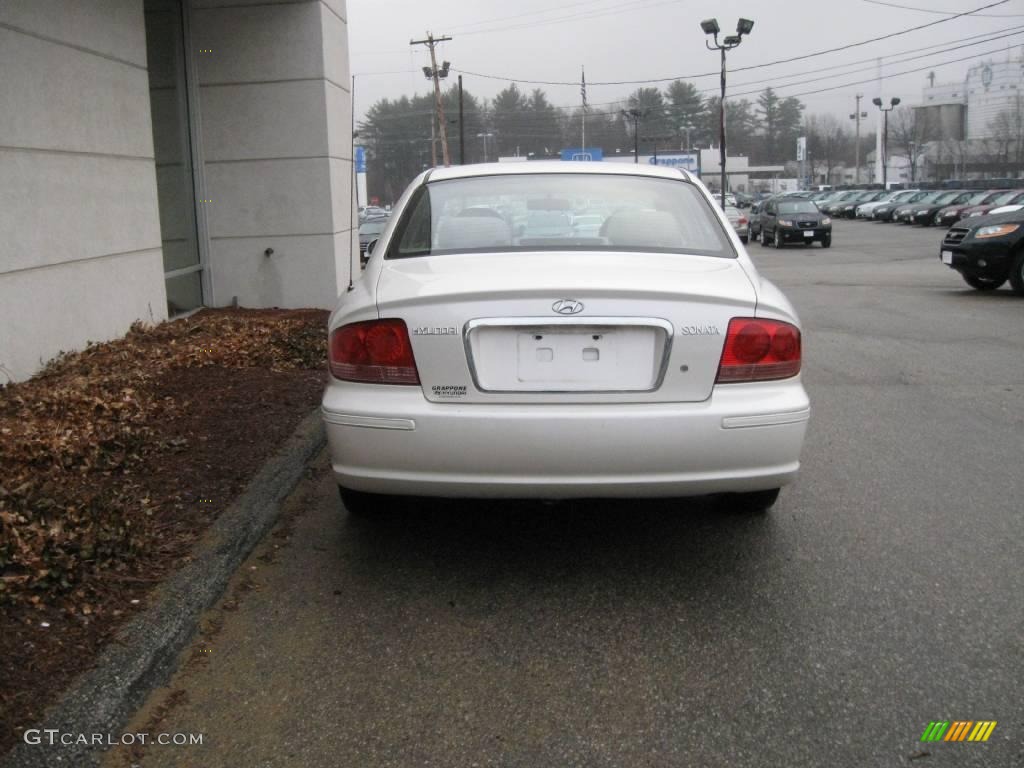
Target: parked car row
{"type": "Point", "coordinates": [984, 242]}
{"type": "Point", "coordinates": [922, 207]}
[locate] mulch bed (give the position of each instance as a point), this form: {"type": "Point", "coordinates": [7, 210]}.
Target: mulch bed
{"type": "Point", "coordinates": [114, 460]}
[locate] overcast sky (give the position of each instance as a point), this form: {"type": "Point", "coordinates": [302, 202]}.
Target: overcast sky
{"type": "Point", "coordinates": [643, 39]}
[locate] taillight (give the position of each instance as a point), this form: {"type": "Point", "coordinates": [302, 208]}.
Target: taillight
{"type": "Point", "coordinates": [375, 351]}
{"type": "Point", "coordinates": [741, 220]}
{"type": "Point", "coordinates": [759, 350]}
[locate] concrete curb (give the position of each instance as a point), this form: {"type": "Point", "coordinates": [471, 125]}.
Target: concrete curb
{"type": "Point", "coordinates": [145, 652]}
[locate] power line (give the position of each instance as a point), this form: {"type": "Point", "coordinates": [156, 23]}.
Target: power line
{"type": "Point", "coordinates": [1012, 32]}
{"type": "Point", "coordinates": [988, 38]}
{"type": "Point", "coordinates": [457, 27]}
{"type": "Point", "coordinates": [943, 13]}
{"type": "Point", "coordinates": [964, 43]}
{"type": "Point", "coordinates": [627, 7]}
{"type": "Point", "coordinates": [743, 69]}
{"type": "Point", "coordinates": [887, 63]}
{"type": "Point", "coordinates": [874, 79]}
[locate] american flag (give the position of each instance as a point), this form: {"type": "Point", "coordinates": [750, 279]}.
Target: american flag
{"type": "Point", "coordinates": [583, 88]}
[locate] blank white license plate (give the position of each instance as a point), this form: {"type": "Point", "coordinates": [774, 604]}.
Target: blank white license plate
{"type": "Point", "coordinates": [567, 358]}
{"type": "Point", "coordinates": [808, 233]}
{"type": "Point", "coordinates": [947, 257]}
{"type": "Point", "coordinates": [598, 358]}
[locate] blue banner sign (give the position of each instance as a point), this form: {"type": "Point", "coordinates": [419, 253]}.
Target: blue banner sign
{"type": "Point", "coordinates": [360, 160]}
{"type": "Point", "coordinates": [589, 154]}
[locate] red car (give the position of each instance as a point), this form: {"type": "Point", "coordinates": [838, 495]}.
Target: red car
{"type": "Point", "coordinates": [1008, 197]}
{"type": "Point", "coordinates": [952, 213]}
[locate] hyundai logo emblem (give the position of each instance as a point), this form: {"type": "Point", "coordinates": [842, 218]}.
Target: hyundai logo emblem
{"type": "Point", "coordinates": [567, 307]}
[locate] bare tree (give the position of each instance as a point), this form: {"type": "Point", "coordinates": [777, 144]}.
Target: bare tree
{"type": "Point", "coordinates": [909, 131]}
{"type": "Point", "coordinates": [956, 155]}
{"type": "Point", "coordinates": [827, 142]}
{"type": "Point", "coordinates": [1007, 131]}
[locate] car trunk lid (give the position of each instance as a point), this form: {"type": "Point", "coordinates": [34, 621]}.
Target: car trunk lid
{"type": "Point", "coordinates": [557, 327]}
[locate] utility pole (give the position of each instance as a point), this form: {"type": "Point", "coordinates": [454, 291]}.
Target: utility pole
{"type": "Point", "coordinates": [635, 115]}
{"type": "Point", "coordinates": [435, 74]}
{"type": "Point", "coordinates": [856, 146]}
{"type": "Point", "coordinates": [433, 143]}
{"type": "Point", "coordinates": [462, 128]}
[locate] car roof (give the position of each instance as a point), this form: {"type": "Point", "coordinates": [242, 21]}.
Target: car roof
{"type": "Point", "coordinates": [555, 166]}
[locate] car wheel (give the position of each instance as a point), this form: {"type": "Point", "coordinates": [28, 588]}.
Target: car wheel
{"type": "Point", "coordinates": [749, 503]}
{"type": "Point", "coordinates": [744, 240]}
{"type": "Point", "coordinates": [983, 283]}
{"type": "Point", "coordinates": [826, 241]}
{"type": "Point", "coordinates": [1017, 274]}
{"type": "Point", "coordinates": [778, 239]}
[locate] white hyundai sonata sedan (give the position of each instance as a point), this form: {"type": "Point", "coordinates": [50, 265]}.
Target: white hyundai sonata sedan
{"type": "Point", "coordinates": [491, 349]}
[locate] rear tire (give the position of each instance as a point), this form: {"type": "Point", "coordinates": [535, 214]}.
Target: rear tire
{"type": "Point", "coordinates": [749, 503]}
{"type": "Point", "coordinates": [983, 283]}
{"type": "Point", "coordinates": [1017, 274]}
{"type": "Point", "coordinates": [744, 240]}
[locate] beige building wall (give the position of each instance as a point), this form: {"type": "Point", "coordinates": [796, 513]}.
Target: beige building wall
{"type": "Point", "coordinates": [274, 101]}
{"type": "Point", "coordinates": [80, 255]}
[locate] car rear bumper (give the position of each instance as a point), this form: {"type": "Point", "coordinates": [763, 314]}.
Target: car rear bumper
{"type": "Point", "coordinates": [390, 439]}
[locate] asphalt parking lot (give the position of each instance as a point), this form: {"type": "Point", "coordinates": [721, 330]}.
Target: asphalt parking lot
{"type": "Point", "coordinates": [881, 593]}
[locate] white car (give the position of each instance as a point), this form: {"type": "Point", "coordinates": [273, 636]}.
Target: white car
{"type": "Point", "coordinates": [866, 210]}
{"type": "Point", "coordinates": [1004, 209]}
{"type": "Point", "coordinates": [739, 222]}
{"type": "Point", "coordinates": [477, 358]}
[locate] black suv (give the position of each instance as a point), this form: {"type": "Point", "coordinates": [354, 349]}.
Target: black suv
{"type": "Point", "coordinates": [788, 220]}
{"type": "Point", "coordinates": [987, 251]}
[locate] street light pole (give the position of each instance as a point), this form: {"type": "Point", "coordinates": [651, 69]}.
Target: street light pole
{"type": "Point", "coordinates": [721, 127]}
{"type": "Point", "coordinates": [485, 137]}
{"type": "Point", "coordinates": [710, 27]}
{"type": "Point", "coordinates": [885, 135]}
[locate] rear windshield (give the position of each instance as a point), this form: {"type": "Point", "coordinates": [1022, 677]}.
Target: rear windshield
{"type": "Point", "coordinates": [543, 211]}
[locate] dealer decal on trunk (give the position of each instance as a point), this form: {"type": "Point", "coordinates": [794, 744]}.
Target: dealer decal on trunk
{"type": "Point", "coordinates": [449, 390]}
